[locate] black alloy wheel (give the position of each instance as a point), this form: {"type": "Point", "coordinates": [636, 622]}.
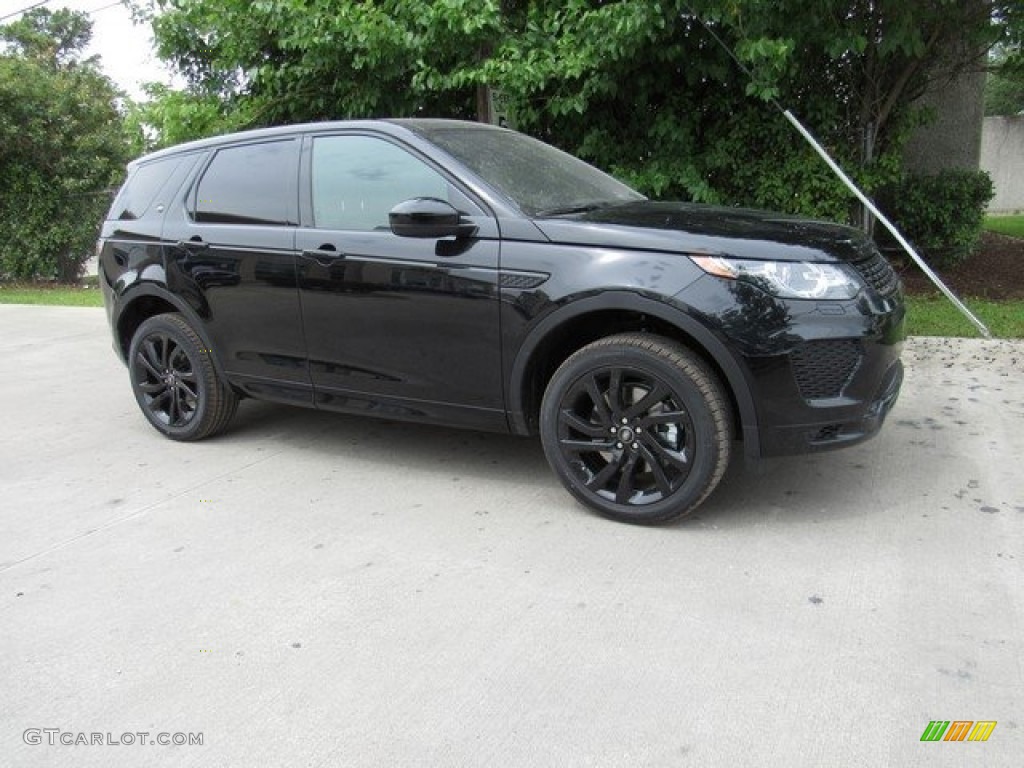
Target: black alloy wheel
{"type": "Point", "coordinates": [637, 427]}
{"type": "Point", "coordinates": [175, 382]}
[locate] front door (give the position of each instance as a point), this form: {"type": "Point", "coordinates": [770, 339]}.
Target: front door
{"type": "Point", "coordinates": [396, 326]}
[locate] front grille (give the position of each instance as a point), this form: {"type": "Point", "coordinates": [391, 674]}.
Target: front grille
{"type": "Point", "coordinates": [824, 368]}
{"type": "Point", "coordinates": [877, 272]}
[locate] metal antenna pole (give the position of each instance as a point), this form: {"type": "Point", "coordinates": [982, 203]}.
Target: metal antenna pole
{"type": "Point", "coordinates": [982, 328]}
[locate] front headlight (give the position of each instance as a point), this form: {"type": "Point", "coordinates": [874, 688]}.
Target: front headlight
{"type": "Point", "coordinates": [785, 279]}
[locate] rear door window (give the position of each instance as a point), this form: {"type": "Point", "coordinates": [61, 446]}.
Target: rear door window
{"type": "Point", "coordinates": [250, 184]}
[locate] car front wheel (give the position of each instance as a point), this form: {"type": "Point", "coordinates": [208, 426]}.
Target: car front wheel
{"type": "Point", "coordinates": [175, 382]}
{"type": "Point", "coordinates": [637, 427]}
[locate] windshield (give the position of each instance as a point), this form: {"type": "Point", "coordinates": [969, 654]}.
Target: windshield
{"type": "Point", "coordinates": [538, 178]}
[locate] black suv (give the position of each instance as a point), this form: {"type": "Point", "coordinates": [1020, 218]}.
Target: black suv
{"type": "Point", "coordinates": [462, 274]}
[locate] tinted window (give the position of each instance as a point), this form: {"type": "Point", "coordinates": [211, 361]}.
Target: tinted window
{"type": "Point", "coordinates": [534, 175]}
{"type": "Point", "coordinates": [142, 187]}
{"type": "Point", "coordinates": [250, 184]}
{"type": "Point", "coordinates": [357, 180]}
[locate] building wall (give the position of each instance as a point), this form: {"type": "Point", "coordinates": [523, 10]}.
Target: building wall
{"type": "Point", "coordinates": [953, 140]}
{"type": "Point", "coordinates": [1002, 155]}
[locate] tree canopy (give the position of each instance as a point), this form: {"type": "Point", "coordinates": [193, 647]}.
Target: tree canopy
{"type": "Point", "coordinates": [639, 87]}
{"type": "Point", "coordinates": [63, 145]}
{"type": "Point", "coordinates": [1004, 86]}
{"type": "Point", "coordinates": [55, 38]}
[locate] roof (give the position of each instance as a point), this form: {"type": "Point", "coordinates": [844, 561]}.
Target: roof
{"type": "Point", "coordinates": [423, 126]}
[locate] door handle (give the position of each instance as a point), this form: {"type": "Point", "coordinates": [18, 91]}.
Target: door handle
{"type": "Point", "coordinates": [325, 255]}
{"type": "Point", "coordinates": [194, 244]}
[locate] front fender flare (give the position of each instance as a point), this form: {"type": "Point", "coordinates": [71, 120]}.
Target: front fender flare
{"type": "Point", "coordinates": [704, 341]}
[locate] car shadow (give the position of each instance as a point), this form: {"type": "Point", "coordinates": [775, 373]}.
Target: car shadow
{"type": "Point", "coordinates": [403, 445]}
{"type": "Point", "coordinates": [794, 489]}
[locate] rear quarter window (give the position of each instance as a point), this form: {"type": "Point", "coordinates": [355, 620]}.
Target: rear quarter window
{"type": "Point", "coordinates": [142, 188]}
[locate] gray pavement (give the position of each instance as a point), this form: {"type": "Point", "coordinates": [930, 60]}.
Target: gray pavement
{"type": "Point", "coordinates": [318, 590]}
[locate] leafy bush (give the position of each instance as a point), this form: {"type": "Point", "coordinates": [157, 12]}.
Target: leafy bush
{"type": "Point", "coordinates": [63, 146]}
{"type": "Point", "coordinates": [940, 214]}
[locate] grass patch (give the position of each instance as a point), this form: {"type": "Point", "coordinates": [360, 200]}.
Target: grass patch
{"type": "Point", "coordinates": [57, 295]}
{"type": "Point", "coordinates": [1006, 225]}
{"type": "Point", "coordinates": [936, 316]}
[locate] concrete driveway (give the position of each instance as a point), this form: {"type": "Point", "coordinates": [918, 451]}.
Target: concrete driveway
{"type": "Point", "coordinates": [317, 590]}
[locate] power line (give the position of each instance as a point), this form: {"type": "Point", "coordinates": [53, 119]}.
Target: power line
{"type": "Point", "coordinates": [24, 10]}
{"type": "Point", "coordinates": [102, 8]}
{"type": "Point", "coordinates": [44, 2]}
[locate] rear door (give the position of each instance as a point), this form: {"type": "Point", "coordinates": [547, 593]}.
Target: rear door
{"type": "Point", "coordinates": [396, 325]}
{"type": "Point", "coordinates": [231, 252]}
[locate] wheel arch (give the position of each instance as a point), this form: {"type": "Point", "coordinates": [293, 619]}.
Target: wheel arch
{"type": "Point", "coordinates": [148, 301]}
{"type": "Point", "coordinates": [585, 320]}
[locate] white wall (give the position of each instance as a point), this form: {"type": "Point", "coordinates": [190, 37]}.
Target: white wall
{"type": "Point", "coordinates": [1002, 155]}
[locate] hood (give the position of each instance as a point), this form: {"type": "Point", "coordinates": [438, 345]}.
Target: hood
{"type": "Point", "coordinates": [709, 230]}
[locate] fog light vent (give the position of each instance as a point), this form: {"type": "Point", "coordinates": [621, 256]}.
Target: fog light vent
{"type": "Point", "coordinates": [827, 434]}
{"type": "Point", "coordinates": [823, 368]}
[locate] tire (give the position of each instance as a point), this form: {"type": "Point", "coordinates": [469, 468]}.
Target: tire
{"type": "Point", "coordinates": [174, 381]}
{"type": "Point", "coordinates": [637, 427]}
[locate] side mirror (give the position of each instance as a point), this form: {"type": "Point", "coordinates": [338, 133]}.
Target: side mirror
{"type": "Point", "coordinates": [428, 217]}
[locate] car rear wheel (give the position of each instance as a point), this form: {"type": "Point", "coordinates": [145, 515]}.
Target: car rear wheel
{"type": "Point", "coordinates": [175, 382]}
{"type": "Point", "coordinates": [637, 427]}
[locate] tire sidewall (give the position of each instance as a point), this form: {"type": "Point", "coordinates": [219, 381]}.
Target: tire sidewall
{"type": "Point", "coordinates": [682, 387]}
{"type": "Point", "coordinates": [164, 325]}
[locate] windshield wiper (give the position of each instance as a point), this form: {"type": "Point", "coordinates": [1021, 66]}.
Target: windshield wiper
{"type": "Point", "coordinates": [581, 207]}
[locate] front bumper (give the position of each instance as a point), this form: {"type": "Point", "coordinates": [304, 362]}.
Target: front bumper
{"type": "Point", "coordinates": [822, 375]}
{"type": "Point", "coordinates": [831, 434]}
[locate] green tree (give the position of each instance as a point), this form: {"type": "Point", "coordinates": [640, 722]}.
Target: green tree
{"type": "Point", "coordinates": [1004, 86]}
{"type": "Point", "coordinates": [56, 38]}
{"type": "Point", "coordinates": [853, 71]}
{"type": "Point", "coordinates": [168, 116]}
{"type": "Point", "coordinates": [639, 87]}
{"type": "Point", "coordinates": [63, 146]}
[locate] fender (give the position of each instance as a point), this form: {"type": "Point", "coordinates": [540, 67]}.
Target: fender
{"type": "Point", "coordinates": [132, 294]}
{"type": "Point", "coordinates": [706, 342]}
